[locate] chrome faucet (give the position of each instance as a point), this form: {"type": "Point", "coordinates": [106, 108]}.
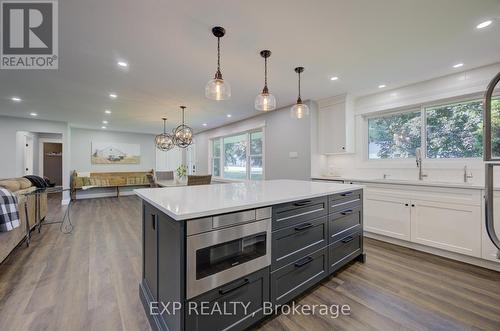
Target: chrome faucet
{"type": "Point", "coordinates": [418, 154]}
{"type": "Point", "coordinates": [467, 175]}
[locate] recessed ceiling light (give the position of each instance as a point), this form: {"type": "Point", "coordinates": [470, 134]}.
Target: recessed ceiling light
{"type": "Point", "coordinates": [122, 64]}
{"type": "Point", "coordinates": [228, 115]}
{"type": "Point", "coordinates": [16, 99]}
{"type": "Point", "coordinates": [458, 65]}
{"type": "Point", "coordinates": [484, 24]}
{"type": "Point", "coordinates": [104, 122]}
{"type": "Point", "coordinates": [107, 111]}
{"type": "Point", "coordinates": [103, 127]}
{"type": "Point", "coordinates": [113, 95]}
{"type": "Point", "coordinates": [33, 114]}
{"type": "Point", "coordinates": [204, 124]}
{"type": "Point", "coordinates": [381, 86]}
{"type": "Point", "coordinates": [334, 78]}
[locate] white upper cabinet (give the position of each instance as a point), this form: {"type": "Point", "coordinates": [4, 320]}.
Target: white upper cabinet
{"type": "Point", "coordinates": [336, 125]}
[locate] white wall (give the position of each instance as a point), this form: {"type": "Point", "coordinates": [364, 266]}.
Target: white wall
{"type": "Point", "coordinates": [81, 140]}
{"type": "Point", "coordinates": [12, 163]}
{"type": "Point", "coordinates": [468, 83]}
{"type": "Point", "coordinates": [282, 135]}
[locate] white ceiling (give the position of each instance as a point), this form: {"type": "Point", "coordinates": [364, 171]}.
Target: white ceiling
{"type": "Point", "coordinates": [172, 54]}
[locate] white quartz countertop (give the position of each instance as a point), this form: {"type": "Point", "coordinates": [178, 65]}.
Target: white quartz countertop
{"type": "Point", "coordinates": [182, 203]}
{"type": "Point", "coordinates": [404, 182]}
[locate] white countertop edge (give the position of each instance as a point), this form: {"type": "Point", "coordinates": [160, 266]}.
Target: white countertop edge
{"type": "Point", "coordinates": [404, 182]}
{"type": "Point", "coordinates": [188, 216]}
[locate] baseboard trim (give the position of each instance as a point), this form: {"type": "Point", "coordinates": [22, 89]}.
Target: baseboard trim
{"type": "Point", "coordinates": [102, 195]}
{"type": "Point", "coordinates": [436, 251]}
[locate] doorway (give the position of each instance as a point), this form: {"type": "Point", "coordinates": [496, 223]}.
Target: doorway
{"type": "Point", "coordinates": [52, 162]}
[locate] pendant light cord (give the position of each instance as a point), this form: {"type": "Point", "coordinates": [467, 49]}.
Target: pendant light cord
{"type": "Point", "coordinates": [299, 87]}
{"type": "Point", "coordinates": [265, 72]}
{"type": "Point", "coordinates": [164, 126]}
{"type": "Point", "coordinates": [218, 54]}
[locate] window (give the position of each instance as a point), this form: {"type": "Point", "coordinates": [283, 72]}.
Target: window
{"type": "Point", "coordinates": [453, 130]}
{"type": "Point", "coordinates": [235, 157]}
{"type": "Point", "coordinates": [238, 156]}
{"type": "Point", "coordinates": [394, 136]}
{"type": "Point", "coordinates": [216, 158]}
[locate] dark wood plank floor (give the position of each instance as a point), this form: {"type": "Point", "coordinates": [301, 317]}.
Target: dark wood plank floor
{"type": "Point", "coordinates": [88, 280]}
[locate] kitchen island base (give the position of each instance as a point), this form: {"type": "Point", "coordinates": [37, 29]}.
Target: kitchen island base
{"type": "Point", "coordinates": [225, 271]}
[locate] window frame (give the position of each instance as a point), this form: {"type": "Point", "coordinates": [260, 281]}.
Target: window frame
{"type": "Point", "coordinates": [247, 133]}
{"type": "Point", "coordinates": [423, 129]}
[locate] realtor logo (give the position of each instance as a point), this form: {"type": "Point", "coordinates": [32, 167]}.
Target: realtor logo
{"type": "Point", "coordinates": [29, 35]}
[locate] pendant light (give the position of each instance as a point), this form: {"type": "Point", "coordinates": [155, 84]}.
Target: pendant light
{"type": "Point", "coordinates": [183, 134]}
{"type": "Point", "coordinates": [217, 88]}
{"type": "Point", "coordinates": [265, 101]}
{"type": "Point", "coordinates": [299, 110]}
{"type": "Point", "coordinates": [164, 141]}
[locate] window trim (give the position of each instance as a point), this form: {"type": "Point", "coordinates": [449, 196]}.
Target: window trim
{"type": "Point", "coordinates": [423, 129]}
{"type": "Point", "coordinates": [248, 155]}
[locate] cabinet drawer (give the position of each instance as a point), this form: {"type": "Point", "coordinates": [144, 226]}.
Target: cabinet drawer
{"type": "Point", "coordinates": [345, 222]}
{"type": "Point", "coordinates": [345, 200]}
{"type": "Point", "coordinates": [344, 250]}
{"type": "Point", "coordinates": [297, 241]}
{"type": "Point", "coordinates": [296, 212]}
{"type": "Point", "coordinates": [292, 279]}
{"type": "Point", "coordinates": [252, 289]}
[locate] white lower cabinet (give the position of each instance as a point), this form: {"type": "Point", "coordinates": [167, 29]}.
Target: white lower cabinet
{"type": "Point", "coordinates": [489, 251]}
{"type": "Point", "coordinates": [452, 227]}
{"type": "Point", "coordinates": [387, 215]}
{"type": "Point", "coordinates": [447, 219]}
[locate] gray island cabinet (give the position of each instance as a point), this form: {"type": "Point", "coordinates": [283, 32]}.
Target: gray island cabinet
{"type": "Point", "coordinates": [219, 257]}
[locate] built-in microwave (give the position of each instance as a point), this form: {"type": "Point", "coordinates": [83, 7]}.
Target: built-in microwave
{"type": "Point", "coordinates": [223, 248]}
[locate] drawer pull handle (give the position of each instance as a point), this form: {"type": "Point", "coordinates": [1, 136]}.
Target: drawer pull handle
{"type": "Point", "coordinates": [303, 227]}
{"type": "Point", "coordinates": [232, 288]}
{"type": "Point", "coordinates": [347, 212]}
{"type": "Point", "coordinates": [153, 222]}
{"type": "Point", "coordinates": [304, 262]}
{"type": "Point", "coordinates": [346, 194]}
{"type": "Point", "coordinates": [302, 203]}
{"type": "Point", "coordinates": [347, 239]}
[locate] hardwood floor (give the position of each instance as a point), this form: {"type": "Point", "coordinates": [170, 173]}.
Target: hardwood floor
{"type": "Point", "coordinates": [88, 280]}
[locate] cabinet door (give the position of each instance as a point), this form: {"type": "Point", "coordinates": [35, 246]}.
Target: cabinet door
{"type": "Point", "coordinates": [332, 129]}
{"type": "Point", "coordinates": [150, 248]}
{"type": "Point", "coordinates": [449, 226]}
{"type": "Point", "coordinates": [387, 215]}
{"type": "Point", "coordinates": [251, 291]}
{"type": "Point", "coordinates": [489, 251]}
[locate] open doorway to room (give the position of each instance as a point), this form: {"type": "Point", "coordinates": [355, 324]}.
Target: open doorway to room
{"type": "Point", "coordinates": [51, 157]}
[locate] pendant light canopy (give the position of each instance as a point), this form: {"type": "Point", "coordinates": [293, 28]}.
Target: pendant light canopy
{"type": "Point", "coordinates": [265, 101]}
{"type": "Point", "coordinates": [299, 110]}
{"type": "Point", "coordinates": [164, 141]}
{"type": "Point", "coordinates": [217, 88]}
{"type": "Point", "coordinates": [183, 134]}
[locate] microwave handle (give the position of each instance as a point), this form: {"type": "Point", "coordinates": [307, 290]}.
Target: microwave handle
{"type": "Point", "coordinates": [234, 287]}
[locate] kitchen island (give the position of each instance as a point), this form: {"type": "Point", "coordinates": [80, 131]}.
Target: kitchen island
{"type": "Point", "coordinates": [214, 256]}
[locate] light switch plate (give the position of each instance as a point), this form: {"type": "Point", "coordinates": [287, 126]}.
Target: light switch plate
{"type": "Point", "coordinates": [293, 155]}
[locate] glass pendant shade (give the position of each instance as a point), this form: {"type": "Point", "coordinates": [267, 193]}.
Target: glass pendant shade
{"type": "Point", "coordinates": [299, 111]}
{"type": "Point", "coordinates": [265, 102]}
{"type": "Point", "coordinates": [218, 89]}
{"type": "Point", "coordinates": [183, 134]}
{"type": "Point", "coordinates": [164, 141]}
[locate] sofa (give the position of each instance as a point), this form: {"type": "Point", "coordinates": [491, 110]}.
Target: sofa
{"type": "Point", "coordinates": [19, 186]}
{"type": "Point", "coordinates": [88, 180]}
